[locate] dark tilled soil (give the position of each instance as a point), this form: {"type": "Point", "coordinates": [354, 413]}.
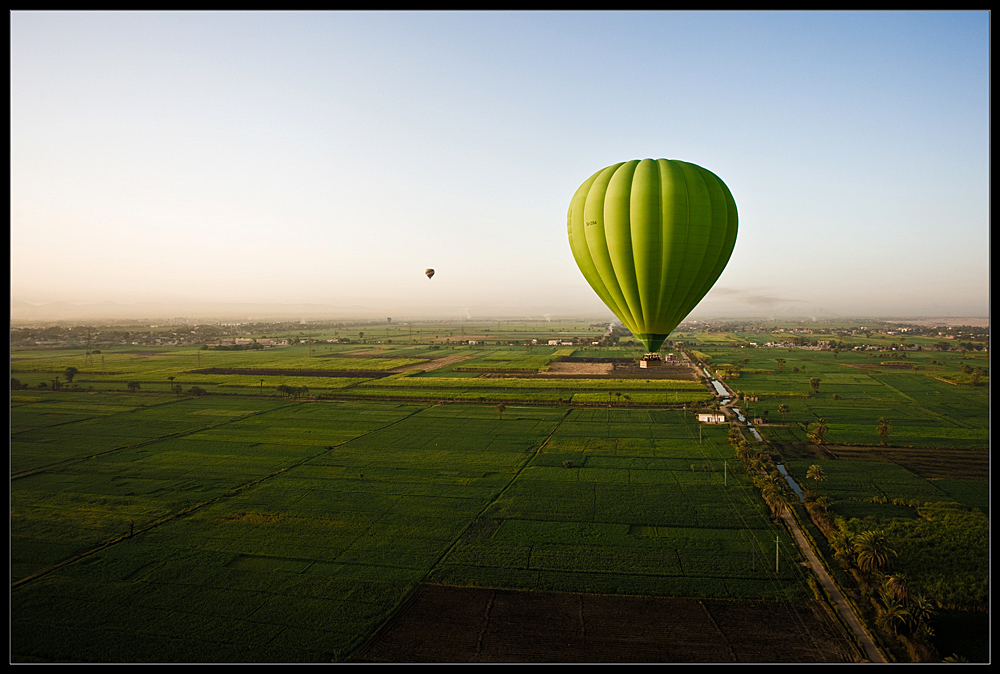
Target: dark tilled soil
{"type": "Point", "coordinates": [620, 371]}
{"type": "Point", "coordinates": [929, 463]}
{"type": "Point", "coordinates": [453, 624]}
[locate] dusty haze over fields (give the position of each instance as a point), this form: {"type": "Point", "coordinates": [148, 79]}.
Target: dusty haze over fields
{"type": "Point", "coordinates": [314, 164]}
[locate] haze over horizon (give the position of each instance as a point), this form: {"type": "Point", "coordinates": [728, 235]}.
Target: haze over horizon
{"type": "Point", "coordinates": [201, 160]}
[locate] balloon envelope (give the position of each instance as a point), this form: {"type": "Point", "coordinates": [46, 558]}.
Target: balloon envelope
{"type": "Point", "coordinates": [651, 237]}
{"type": "Point", "coordinates": [429, 272]}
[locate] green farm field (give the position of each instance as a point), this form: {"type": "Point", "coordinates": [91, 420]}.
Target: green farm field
{"type": "Point", "coordinates": [291, 506]}
{"type": "Point", "coordinates": [855, 389]}
{"type": "Point", "coordinates": [936, 452]}
{"type": "Point", "coordinates": [459, 373]}
{"type": "Point", "coordinates": [248, 529]}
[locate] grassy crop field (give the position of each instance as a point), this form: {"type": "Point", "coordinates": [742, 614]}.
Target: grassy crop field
{"type": "Point", "coordinates": [282, 505]}
{"type": "Point", "coordinates": [244, 529]}
{"type": "Point", "coordinates": [348, 371]}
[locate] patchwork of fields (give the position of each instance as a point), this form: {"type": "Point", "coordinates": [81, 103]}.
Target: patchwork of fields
{"type": "Point", "coordinates": [269, 530]}
{"type": "Point", "coordinates": [457, 373]}
{"type": "Point", "coordinates": [246, 527]}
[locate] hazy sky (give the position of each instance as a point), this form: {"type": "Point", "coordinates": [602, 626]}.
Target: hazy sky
{"type": "Point", "coordinates": [330, 157]}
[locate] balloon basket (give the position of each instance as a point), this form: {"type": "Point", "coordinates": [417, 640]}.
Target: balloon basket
{"type": "Point", "coordinates": [651, 360]}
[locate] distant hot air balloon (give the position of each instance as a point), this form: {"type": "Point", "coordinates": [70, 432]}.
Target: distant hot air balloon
{"type": "Point", "coordinates": [429, 272]}
{"type": "Point", "coordinates": [651, 237]}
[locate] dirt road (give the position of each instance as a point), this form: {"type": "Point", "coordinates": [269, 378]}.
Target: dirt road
{"type": "Point", "coordinates": [841, 604]}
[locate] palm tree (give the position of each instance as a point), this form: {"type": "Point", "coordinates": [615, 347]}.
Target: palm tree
{"type": "Point", "coordinates": [921, 611]}
{"type": "Point", "coordinates": [500, 410]}
{"type": "Point", "coordinates": [743, 451]}
{"type": "Point", "coordinates": [883, 429]}
{"type": "Point", "coordinates": [819, 431]}
{"type": "Point", "coordinates": [777, 499]}
{"type": "Point", "coordinates": [816, 472]}
{"type": "Point", "coordinates": [824, 502]}
{"type": "Point", "coordinates": [895, 586]}
{"type": "Point", "coordinates": [782, 410]}
{"type": "Point", "coordinates": [781, 364]}
{"type": "Point", "coordinates": [774, 490]}
{"type": "Point", "coordinates": [892, 615]}
{"type": "Point", "coordinates": [734, 434]}
{"type": "Point", "coordinates": [842, 543]}
{"type": "Point", "coordinates": [814, 384]}
{"type": "Point", "coordinates": [69, 373]}
{"type": "Point", "coordinates": [873, 551]}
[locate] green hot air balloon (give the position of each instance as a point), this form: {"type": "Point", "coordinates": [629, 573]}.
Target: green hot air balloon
{"type": "Point", "coordinates": [651, 237]}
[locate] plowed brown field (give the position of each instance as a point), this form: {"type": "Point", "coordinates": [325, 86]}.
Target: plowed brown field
{"type": "Point", "coordinates": [453, 624]}
{"type": "Point", "coordinates": [929, 463]}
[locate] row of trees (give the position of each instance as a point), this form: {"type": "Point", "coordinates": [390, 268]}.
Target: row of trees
{"type": "Point", "coordinates": [287, 391]}
{"type": "Point", "coordinates": [869, 554]}
{"type": "Point", "coordinates": [764, 473]}
{"type": "Point", "coordinates": [56, 385]}
{"type": "Point", "coordinates": [68, 374]}
{"type": "Point", "coordinates": [176, 389]}
{"type": "Point", "coordinates": [870, 557]}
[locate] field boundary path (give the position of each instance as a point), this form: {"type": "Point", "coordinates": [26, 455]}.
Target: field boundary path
{"type": "Point", "coordinates": [840, 602]}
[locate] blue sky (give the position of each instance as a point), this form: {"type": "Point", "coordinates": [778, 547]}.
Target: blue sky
{"type": "Point", "coordinates": [330, 157]}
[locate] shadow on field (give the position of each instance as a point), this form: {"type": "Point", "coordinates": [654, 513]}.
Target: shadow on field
{"type": "Point", "coordinates": [454, 624]}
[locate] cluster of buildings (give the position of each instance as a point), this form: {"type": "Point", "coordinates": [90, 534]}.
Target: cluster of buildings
{"type": "Point", "coordinates": [246, 342]}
